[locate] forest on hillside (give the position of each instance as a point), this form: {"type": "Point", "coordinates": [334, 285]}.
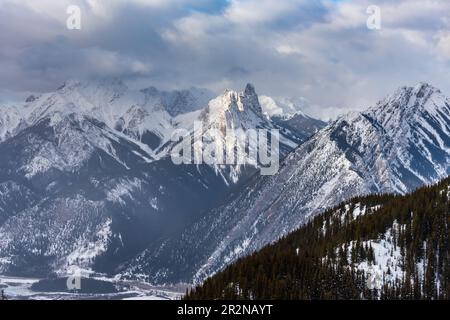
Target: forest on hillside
{"type": "Point", "coordinates": [396, 248]}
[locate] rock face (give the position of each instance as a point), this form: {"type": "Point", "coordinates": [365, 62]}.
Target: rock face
{"type": "Point", "coordinates": [396, 146]}
{"type": "Point", "coordinates": [86, 178]}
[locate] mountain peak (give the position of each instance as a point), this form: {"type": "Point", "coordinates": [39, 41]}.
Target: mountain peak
{"type": "Point", "coordinates": [419, 91]}
{"type": "Point", "coordinates": [424, 89]}
{"type": "Point", "coordinates": [408, 101]}
{"type": "Point", "coordinates": [243, 100]}
{"type": "Point", "coordinates": [235, 109]}
{"type": "Point", "coordinates": [250, 98]}
{"type": "Point", "coordinates": [249, 90]}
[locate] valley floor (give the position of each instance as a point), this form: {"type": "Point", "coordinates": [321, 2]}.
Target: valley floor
{"type": "Point", "coordinates": [18, 288]}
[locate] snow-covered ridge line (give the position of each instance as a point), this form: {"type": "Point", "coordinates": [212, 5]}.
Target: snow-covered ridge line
{"type": "Point", "coordinates": [147, 117]}
{"type": "Point", "coordinates": [110, 102]}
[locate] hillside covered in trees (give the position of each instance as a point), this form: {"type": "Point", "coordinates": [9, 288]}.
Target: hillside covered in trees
{"type": "Point", "coordinates": [373, 247]}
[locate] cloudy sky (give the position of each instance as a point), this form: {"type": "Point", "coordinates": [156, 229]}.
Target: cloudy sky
{"type": "Point", "coordinates": [318, 49]}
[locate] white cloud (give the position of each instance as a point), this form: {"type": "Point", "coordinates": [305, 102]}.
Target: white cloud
{"type": "Point", "coordinates": [259, 11]}
{"type": "Point", "coordinates": [443, 44]}
{"type": "Point", "coordinates": [318, 49]}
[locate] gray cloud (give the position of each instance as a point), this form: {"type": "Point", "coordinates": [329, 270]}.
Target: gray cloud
{"type": "Point", "coordinates": [321, 50]}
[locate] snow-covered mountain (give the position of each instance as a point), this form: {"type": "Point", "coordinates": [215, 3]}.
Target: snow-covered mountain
{"type": "Point", "coordinates": [396, 146]}
{"type": "Point", "coordinates": [146, 115]}
{"type": "Point", "coordinates": [86, 178]}
{"type": "Point", "coordinates": [239, 112]}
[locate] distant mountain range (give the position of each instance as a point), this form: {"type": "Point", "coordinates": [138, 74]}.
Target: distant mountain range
{"type": "Point", "coordinates": [86, 178]}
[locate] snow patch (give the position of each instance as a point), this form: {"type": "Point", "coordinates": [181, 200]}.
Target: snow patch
{"type": "Point", "coordinates": [86, 251]}
{"type": "Point", "coordinates": [123, 189]}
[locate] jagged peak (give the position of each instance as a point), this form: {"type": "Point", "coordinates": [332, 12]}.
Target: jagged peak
{"type": "Point", "coordinates": [400, 110]}
{"type": "Point", "coordinates": [419, 91]}
{"type": "Point", "coordinates": [408, 100]}
{"type": "Point", "coordinates": [247, 99]}
{"type": "Point", "coordinates": [422, 87]}
{"type": "Point", "coordinates": [250, 90]}
{"type": "Point", "coordinates": [234, 105]}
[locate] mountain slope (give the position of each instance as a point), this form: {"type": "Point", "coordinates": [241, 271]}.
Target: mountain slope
{"type": "Point", "coordinates": [78, 178]}
{"type": "Point", "coordinates": [398, 145]}
{"type": "Point", "coordinates": [77, 190]}
{"type": "Point", "coordinates": [374, 247]}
